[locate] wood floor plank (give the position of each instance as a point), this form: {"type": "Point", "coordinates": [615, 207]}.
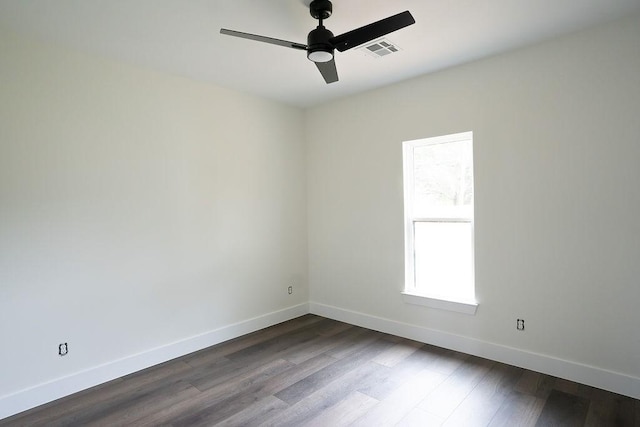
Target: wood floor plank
{"type": "Point", "coordinates": [484, 401]}
{"type": "Point", "coordinates": [446, 397]}
{"type": "Point", "coordinates": [273, 345]}
{"type": "Point", "coordinates": [247, 395]}
{"type": "Point", "coordinates": [254, 414]}
{"type": "Point", "coordinates": [294, 375]}
{"type": "Point", "coordinates": [566, 386]}
{"type": "Point", "coordinates": [343, 413]}
{"type": "Point", "coordinates": [397, 353]}
{"type": "Point", "coordinates": [355, 344]}
{"type": "Point", "coordinates": [448, 360]}
{"type": "Point", "coordinates": [418, 417]}
{"type": "Point", "coordinates": [48, 414]}
{"type": "Point", "coordinates": [401, 401]}
{"type": "Point", "coordinates": [179, 410]}
{"type": "Point", "coordinates": [131, 410]}
{"type": "Point", "coordinates": [609, 409]}
{"type": "Point", "coordinates": [423, 358]}
{"type": "Point", "coordinates": [215, 398]}
{"type": "Point", "coordinates": [93, 404]}
{"type": "Point", "coordinates": [333, 328]}
{"type": "Point", "coordinates": [318, 401]}
{"type": "Point", "coordinates": [207, 377]}
{"type": "Point", "coordinates": [324, 343]}
{"type": "Point", "coordinates": [287, 347]}
{"type": "Point", "coordinates": [563, 409]}
{"type": "Point", "coordinates": [297, 348]}
{"type": "Point", "coordinates": [219, 395]}
{"type": "Point", "coordinates": [161, 372]}
{"type": "Point", "coordinates": [124, 404]}
{"type": "Point", "coordinates": [212, 353]}
{"type": "Point", "coordinates": [544, 386]}
{"type": "Point", "coordinates": [108, 393]}
{"type": "Point", "coordinates": [313, 382]}
{"type": "Point", "coordinates": [528, 383]}
{"type": "Point", "coordinates": [518, 410]}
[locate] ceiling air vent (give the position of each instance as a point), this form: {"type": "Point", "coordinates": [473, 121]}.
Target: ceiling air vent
{"type": "Point", "coordinates": [380, 47]}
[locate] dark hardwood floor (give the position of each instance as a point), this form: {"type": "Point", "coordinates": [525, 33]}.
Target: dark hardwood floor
{"type": "Point", "coordinates": [314, 371]}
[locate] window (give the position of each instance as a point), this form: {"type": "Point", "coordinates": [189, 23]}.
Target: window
{"type": "Point", "coordinates": [438, 194]}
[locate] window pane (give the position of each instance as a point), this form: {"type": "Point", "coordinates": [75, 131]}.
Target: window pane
{"type": "Point", "coordinates": [443, 179]}
{"type": "Point", "coordinates": [443, 265]}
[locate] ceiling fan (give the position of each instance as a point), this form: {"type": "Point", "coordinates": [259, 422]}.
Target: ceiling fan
{"type": "Point", "coordinates": [321, 42]}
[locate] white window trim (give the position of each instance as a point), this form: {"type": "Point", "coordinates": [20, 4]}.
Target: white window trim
{"type": "Point", "coordinates": [464, 307]}
{"type": "Point", "coordinates": [411, 295]}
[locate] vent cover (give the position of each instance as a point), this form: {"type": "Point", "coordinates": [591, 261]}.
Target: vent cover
{"type": "Point", "coordinates": [380, 47]}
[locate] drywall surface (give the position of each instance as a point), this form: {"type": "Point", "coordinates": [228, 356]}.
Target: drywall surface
{"type": "Point", "coordinates": [557, 241]}
{"type": "Point", "coordinates": [136, 210]}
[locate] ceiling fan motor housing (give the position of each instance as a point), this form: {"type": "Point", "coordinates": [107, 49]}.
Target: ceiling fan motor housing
{"type": "Point", "coordinates": [319, 49]}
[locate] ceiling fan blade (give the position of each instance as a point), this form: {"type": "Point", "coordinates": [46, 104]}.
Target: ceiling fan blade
{"type": "Point", "coordinates": [328, 71]}
{"type": "Point", "coordinates": [264, 39]}
{"type": "Point", "coordinates": [372, 31]}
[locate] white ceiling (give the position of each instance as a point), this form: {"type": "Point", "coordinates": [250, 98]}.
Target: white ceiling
{"type": "Point", "coordinates": [182, 36]}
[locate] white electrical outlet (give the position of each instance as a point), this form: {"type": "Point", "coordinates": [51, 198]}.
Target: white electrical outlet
{"type": "Point", "coordinates": [63, 349]}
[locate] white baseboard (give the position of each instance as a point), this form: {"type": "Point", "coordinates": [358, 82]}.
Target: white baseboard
{"type": "Point", "coordinates": [573, 371]}
{"type": "Point", "coordinates": [43, 393]}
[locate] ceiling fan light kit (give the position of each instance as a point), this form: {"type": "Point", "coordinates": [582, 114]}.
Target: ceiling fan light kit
{"type": "Point", "coordinates": [320, 56]}
{"type": "Point", "coordinates": [321, 43]}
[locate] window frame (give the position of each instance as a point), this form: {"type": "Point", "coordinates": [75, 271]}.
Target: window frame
{"type": "Point", "coordinates": [411, 294]}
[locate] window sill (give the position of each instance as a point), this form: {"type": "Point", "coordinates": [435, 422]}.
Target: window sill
{"type": "Point", "coordinates": [464, 307]}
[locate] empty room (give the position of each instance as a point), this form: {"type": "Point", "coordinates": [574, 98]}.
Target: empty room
{"type": "Point", "coordinates": [296, 212]}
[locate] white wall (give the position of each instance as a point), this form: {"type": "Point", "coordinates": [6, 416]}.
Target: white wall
{"type": "Point", "coordinates": [556, 144]}
{"type": "Point", "coordinates": [136, 210]}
